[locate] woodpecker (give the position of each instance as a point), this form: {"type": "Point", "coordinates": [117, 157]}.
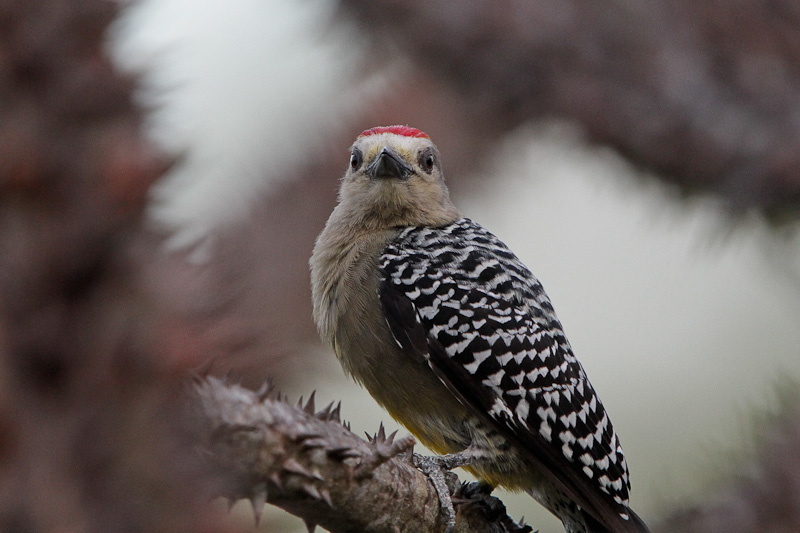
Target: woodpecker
{"type": "Point", "coordinates": [457, 340]}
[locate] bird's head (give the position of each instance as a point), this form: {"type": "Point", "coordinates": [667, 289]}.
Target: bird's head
{"type": "Point", "coordinates": [394, 179]}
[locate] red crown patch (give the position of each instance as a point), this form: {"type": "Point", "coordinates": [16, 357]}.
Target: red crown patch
{"type": "Point", "coordinates": [405, 131]}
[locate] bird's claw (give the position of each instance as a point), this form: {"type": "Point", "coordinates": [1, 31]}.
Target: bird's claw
{"type": "Point", "coordinates": [436, 470]}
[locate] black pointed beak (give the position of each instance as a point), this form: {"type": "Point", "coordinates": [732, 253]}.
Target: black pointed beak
{"type": "Point", "coordinates": [388, 165]}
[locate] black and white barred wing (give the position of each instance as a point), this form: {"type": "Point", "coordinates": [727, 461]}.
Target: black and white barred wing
{"type": "Point", "coordinates": [458, 297]}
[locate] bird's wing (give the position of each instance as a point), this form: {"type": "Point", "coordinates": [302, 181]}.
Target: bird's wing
{"type": "Point", "coordinates": [459, 297]}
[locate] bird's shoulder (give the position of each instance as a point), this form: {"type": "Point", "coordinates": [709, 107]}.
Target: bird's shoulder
{"type": "Point", "coordinates": [467, 254]}
{"type": "Point", "coordinates": [478, 299]}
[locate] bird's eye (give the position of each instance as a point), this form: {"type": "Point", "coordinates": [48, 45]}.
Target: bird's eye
{"type": "Point", "coordinates": [355, 159]}
{"type": "Point", "coordinates": [426, 161]}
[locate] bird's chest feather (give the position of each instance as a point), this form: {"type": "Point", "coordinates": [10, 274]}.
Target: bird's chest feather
{"type": "Point", "coordinates": [350, 317]}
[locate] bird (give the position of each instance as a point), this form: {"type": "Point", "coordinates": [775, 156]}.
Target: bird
{"type": "Point", "coordinates": [454, 336]}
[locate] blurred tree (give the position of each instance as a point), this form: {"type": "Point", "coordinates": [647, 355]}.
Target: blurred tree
{"type": "Point", "coordinates": [94, 433]}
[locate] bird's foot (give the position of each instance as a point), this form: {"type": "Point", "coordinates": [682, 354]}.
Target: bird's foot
{"type": "Point", "coordinates": [437, 468]}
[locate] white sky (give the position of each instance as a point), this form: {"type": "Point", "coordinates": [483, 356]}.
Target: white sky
{"type": "Point", "coordinates": [236, 86]}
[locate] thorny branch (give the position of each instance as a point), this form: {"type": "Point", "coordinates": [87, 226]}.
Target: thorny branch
{"type": "Point", "coordinates": [309, 463]}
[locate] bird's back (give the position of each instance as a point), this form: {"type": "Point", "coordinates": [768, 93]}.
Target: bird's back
{"type": "Point", "coordinates": [494, 339]}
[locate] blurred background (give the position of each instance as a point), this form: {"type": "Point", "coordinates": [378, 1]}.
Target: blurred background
{"type": "Point", "coordinates": [165, 167]}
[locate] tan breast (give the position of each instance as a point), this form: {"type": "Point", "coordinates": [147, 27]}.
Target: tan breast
{"type": "Point", "coordinates": [348, 313]}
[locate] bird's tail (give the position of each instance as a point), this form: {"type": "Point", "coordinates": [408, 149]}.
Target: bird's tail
{"type": "Point", "coordinates": [634, 524]}
{"type": "Point", "coordinates": [637, 524]}
{"type": "Point", "coordinates": [577, 520]}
